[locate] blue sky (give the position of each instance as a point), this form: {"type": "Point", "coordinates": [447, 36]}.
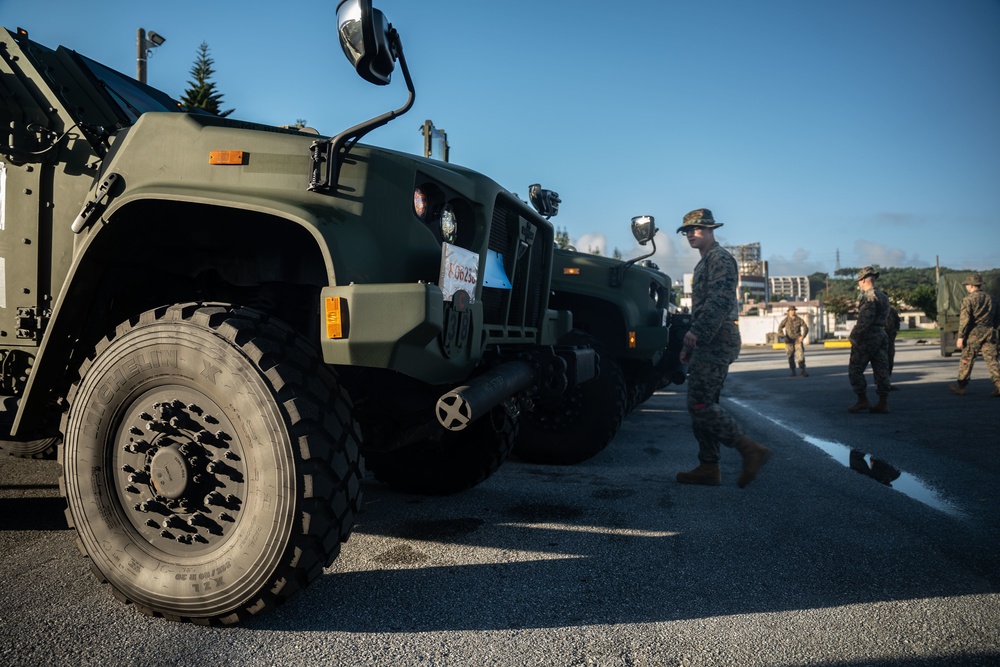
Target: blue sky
{"type": "Point", "coordinates": [864, 129]}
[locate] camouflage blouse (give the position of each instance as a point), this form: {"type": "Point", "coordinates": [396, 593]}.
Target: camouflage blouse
{"type": "Point", "coordinates": [976, 314]}
{"type": "Point", "coordinates": [713, 294]}
{"type": "Point", "coordinates": [873, 311]}
{"type": "Point", "coordinates": [793, 327]}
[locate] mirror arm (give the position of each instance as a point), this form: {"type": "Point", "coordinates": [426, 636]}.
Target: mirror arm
{"type": "Point", "coordinates": [333, 151]}
{"type": "Point", "coordinates": [618, 272]}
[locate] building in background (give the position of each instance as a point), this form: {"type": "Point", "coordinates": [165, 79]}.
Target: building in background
{"type": "Point", "coordinates": [752, 285]}
{"type": "Point", "coordinates": [792, 288]}
{"type": "Point", "coordinates": [752, 289]}
{"type": "Point", "coordinates": [748, 259]}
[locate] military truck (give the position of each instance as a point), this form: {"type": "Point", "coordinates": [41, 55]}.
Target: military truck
{"type": "Point", "coordinates": [215, 320]}
{"type": "Point", "coordinates": [622, 309]}
{"type": "Point", "coordinates": [950, 292]}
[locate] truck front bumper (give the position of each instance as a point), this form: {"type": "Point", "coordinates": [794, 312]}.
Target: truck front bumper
{"type": "Point", "coordinates": [399, 327]}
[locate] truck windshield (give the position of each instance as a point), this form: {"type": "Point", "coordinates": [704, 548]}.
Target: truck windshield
{"type": "Point", "coordinates": [133, 97]}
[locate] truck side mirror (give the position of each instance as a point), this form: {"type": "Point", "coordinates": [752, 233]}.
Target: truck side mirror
{"type": "Point", "coordinates": [373, 47]}
{"type": "Point", "coordinates": [364, 36]}
{"type": "Point", "coordinates": [546, 202]}
{"type": "Point", "coordinates": [643, 228]}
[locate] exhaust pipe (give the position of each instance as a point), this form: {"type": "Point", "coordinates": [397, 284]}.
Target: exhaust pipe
{"type": "Point", "coordinates": [463, 405]}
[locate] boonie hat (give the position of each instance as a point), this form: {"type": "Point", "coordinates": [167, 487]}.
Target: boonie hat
{"type": "Point", "coordinates": [867, 271]}
{"type": "Point", "coordinates": [700, 217]}
{"type": "Point", "coordinates": [974, 279]}
{"type": "Point", "coordinates": [791, 308]}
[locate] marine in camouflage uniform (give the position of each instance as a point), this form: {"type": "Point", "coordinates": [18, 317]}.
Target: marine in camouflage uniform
{"type": "Point", "coordinates": [794, 330]}
{"type": "Point", "coordinates": [710, 346]}
{"type": "Point", "coordinates": [870, 344]}
{"type": "Point", "coordinates": [976, 334]}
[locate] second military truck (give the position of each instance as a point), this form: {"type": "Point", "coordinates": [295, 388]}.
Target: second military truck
{"type": "Point", "coordinates": [625, 311]}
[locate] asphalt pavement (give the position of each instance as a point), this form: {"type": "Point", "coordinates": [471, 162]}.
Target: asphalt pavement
{"type": "Point", "coordinates": [821, 561]}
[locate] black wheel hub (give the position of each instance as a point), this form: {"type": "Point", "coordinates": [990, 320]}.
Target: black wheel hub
{"type": "Point", "coordinates": [179, 470]}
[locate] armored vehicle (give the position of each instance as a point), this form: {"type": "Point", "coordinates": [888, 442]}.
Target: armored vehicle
{"type": "Point", "coordinates": [622, 309]}
{"type": "Point", "coordinates": [950, 292]}
{"type": "Point", "coordinates": [215, 320]}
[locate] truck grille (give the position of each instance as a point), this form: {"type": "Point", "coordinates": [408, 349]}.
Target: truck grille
{"type": "Point", "coordinates": [526, 249]}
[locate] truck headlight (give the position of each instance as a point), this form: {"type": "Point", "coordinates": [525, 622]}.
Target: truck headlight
{"type": "Point", "coordinates": [420, 203]}
{"type": "Point", "coordinates": [449, 225]}
{"type": "Point", "coordinates": [655, 293]}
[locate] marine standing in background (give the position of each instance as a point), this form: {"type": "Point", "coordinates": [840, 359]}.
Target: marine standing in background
{"type": "Point", "coordinates": [869, 344]}
{"type": "Point", "coordinates": [793, 329]}
{"type": "Point", "coordinates": [891, 329]}
{"type": "Point", "coordinates": [710, 346]}
{"type": "Point", "coordinates": [976, 333]}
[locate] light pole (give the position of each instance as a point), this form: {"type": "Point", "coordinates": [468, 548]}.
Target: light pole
{"type": "Point", "coordinates": [144, 45]}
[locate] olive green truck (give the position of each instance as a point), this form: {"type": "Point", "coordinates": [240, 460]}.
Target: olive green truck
{"type": "Point", "coordinates": [625, 311]}
{"type": "Point", "coordinates": [217, 324]}
{"type": "Point", "coordinates": [950, 293]}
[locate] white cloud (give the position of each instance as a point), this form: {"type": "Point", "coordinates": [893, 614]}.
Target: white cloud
{"type": "Point", "coordinates": [588, 242]}
{"type": "Point", "coordinates": [877, 254]}
{"type": "Point", "coordinates": [799, 264]}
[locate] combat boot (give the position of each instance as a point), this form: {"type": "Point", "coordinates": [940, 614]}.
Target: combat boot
{"type": "Point", "coordinates": [882, 407]}
{"type": "Point", "coordinates": [995, 392]}
{"type": "Point", "coordinates": [957, 388]}
{"type": "Point", "coordinates": [791, 366]}
{"type": "Point", "coordinates": [862, 404]}
{"type": "Point", "coordinates": [803, 373]}
{"type": "Point", "coordinates": [706, 473]}
{"type": "Point", "coordinates": [755, 455]}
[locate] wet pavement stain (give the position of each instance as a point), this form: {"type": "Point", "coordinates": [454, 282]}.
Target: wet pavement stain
{"type": "Point", "coordinates": [884, 473]}
{"type": "Point", "coordinates": [403, 554]}
{"type": "Point", "coordinates": [875, 468]}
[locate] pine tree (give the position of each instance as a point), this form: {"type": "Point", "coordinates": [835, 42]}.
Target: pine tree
{"type": "Point", "coordinates": [562, 238]}
{"type": "Point", "coordinates": [201, 93]}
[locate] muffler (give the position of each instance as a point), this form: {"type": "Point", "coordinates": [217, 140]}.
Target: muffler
{"type": "Point", "coordinates": [463, 405]}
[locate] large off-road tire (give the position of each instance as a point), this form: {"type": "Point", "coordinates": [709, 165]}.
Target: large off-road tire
{"type": "Point", "coordinates": [637, 393]}
{"type": "Point", "coordinates": [41, 448]}
{"type": "Point", "coordinates": [578, 424]}
{"type": "Point", "coordinates": [210, 463]}
{"type": "Point", "coordinates": [450, 462]}
{"type": "Point", "coordinates": [37, 446]}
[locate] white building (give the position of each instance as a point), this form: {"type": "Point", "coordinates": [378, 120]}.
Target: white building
{"type": "Point", "coordinates": [793, 288]}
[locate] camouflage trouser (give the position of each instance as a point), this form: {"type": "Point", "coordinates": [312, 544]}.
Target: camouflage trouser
{"type": "Point", "coordinates": [977, 343]}
{"type": "Point", "coordinates": [873, 350]}
{"type": "Point", "coordinates": [796, 352]}
{"type": "Point", "coordinates": [710, 422]}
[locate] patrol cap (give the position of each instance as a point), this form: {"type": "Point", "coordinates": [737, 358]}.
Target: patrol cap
{"type": "Point", "coordinates": [974, 279]}
{"type": "Point", "coordinates": [867, 271]}
{"type": "Point", "coordinates": [700, 217]}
